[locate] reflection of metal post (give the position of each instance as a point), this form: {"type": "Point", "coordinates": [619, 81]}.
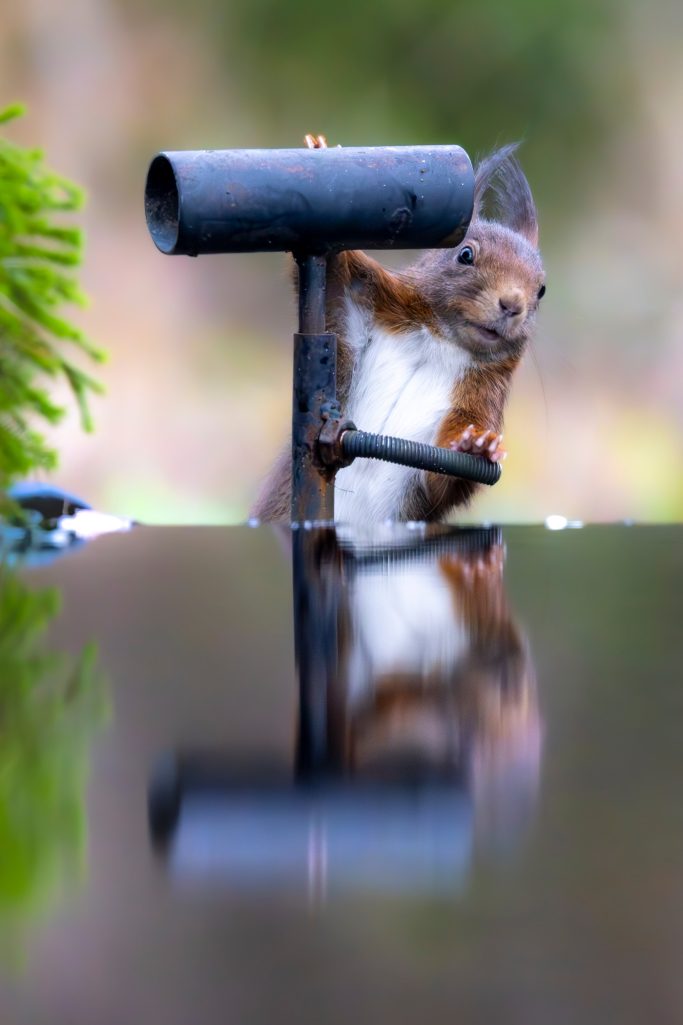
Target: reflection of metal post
{"type": "Point", "coordinates": [361, 812]}
{"type": "Point", "coordinates": [316, 610]}
{"type": "Point", "coordinates": [315, 384]}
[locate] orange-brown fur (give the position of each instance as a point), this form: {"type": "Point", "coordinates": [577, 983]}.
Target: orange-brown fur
{"type": "Point", "coordinates": [490, 697]}
{"type": "Point", "coordinates": [478, 399]}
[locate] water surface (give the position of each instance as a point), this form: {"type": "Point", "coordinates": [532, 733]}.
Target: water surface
{"type": "Point", "coordinates": [464, 806]}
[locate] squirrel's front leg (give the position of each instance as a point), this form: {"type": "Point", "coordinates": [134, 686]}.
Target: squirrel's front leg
{"type": "Point", "coordinates": [459, 433]}
{"type": "Point", "coordinates": [479, 441]}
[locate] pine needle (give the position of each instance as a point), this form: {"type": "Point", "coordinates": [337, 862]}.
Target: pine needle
{"type": "Point", "coordinates": [39, 257]}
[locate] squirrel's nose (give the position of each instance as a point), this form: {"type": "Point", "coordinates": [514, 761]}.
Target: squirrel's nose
{"type": "Point", "coordinates": [512, 303]}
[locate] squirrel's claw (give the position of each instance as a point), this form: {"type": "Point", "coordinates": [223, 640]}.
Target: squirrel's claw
{"type": "Point", "coordinates": [480, 442]}
{"type": "Point", "coordinates": [315, 141]}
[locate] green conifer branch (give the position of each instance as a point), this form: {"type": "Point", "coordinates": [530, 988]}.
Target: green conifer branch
{"type": "Point", "coordinates": [39, 256]}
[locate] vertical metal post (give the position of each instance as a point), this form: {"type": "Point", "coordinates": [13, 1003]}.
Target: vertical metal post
{"type": "Point", "coordinates": [312, 281]}
{"type": "Point", "coordinates": [315, 383]}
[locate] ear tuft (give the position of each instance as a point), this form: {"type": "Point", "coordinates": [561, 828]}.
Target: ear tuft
{"type": "Point", "coordinates": [500, 176]}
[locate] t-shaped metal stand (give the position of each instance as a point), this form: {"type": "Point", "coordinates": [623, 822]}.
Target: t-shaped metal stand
{"type": "Point", "coordinates": [315, 203]}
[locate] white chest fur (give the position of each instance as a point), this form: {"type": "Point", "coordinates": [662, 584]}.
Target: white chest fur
{"type": "Point", "coordinates": [405, 623]}
{"type": "Point", "coordinates": [402, 386]}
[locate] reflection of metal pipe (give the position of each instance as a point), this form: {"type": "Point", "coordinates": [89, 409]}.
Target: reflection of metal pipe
{"type": "Point", "coordinates": [416, 699]}
{"type": "Point", "coordinates": [318, 836]}
{"type": "Point", "coordinates": [312, 201]}
{"type": "Point", "coordinates": [316, 624]}
{"type": "Point", "coordinates": [386, 548]}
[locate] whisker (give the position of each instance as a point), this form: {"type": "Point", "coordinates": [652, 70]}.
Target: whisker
{"type": "Point", "coordinates": [537, 365]}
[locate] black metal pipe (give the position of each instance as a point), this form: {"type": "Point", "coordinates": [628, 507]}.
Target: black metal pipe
{"type": "Point", "coordinates": [316, 201]}
{"type": "Point", "coordinates": [360, 444]}
{"type": "Point", "coordinates": [312, 291]}
{"type": "Point", "coordinates": [314, 386]}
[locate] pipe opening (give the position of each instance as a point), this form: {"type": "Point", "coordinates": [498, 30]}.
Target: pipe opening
{"type": "Point", "coordinates": [162, 204]}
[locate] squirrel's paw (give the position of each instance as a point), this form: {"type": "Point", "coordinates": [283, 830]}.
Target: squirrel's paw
{"type": "Point", "coordinates": [315, 141]}
{"type": "Point", "coordinates": [477, 566]}
{"type": "Point", "coordinates": [480, 443]}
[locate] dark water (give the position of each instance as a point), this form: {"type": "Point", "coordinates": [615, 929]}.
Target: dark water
{"type": "Point", "coordinates": [465, 807]}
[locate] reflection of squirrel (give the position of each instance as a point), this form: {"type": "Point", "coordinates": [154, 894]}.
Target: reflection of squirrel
{"type": "Point", "coordinates": [453, 655]}
{"type": "Point", "coordinates": [435, 677]}
{"type": "Point", "coordinates": [428, 354]}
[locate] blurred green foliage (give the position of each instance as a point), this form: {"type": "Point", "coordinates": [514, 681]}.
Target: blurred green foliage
{"type": "Point", "coordinates": [392, 71]}
{"type": "Point", "coordinates": [50, 706]}
{"type": "Point", "coordinates": [38, 257]}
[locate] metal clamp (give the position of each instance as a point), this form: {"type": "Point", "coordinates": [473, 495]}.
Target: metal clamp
{"type": "Point", "coordinates": [330, 439]}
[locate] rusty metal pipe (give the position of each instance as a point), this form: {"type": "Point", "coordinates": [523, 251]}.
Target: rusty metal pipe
{"type": "Point", "coordinates": [309, 201]}
{"type": "Point", "coordinates": [314, 387]}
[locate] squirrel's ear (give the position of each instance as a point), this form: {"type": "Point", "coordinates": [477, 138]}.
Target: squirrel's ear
{"type": "Point", "coordinates": [501, 174]}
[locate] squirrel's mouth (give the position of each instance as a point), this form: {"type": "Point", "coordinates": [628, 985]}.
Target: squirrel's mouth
{"type": "Point", "coordinates": [488, 332]}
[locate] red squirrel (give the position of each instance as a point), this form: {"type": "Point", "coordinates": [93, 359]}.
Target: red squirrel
{"type": "Point", "coordinates": [427, 354]}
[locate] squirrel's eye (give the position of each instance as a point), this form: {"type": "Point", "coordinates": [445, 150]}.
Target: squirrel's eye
{"type": "Point", "coordinates": [466, 255]}
{"type": "Point", "coordinates": [541, 292]}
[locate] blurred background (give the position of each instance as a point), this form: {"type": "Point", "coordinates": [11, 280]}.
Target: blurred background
{"type": "Point", "coordinates": [198, 380]}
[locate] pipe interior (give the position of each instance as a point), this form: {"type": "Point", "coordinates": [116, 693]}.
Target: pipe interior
{"type": "Point", "coordinates": [162, 204]}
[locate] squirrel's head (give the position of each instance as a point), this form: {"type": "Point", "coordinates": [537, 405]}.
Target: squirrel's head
{"type": "Point", "coordinates": [486, 291]}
